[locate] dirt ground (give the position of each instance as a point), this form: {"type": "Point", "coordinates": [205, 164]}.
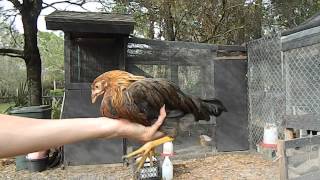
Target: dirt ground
{"type": "Point", "coordinates": [228, 166]}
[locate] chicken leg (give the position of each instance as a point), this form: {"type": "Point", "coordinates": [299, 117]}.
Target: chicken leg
{"type": "Point", "coordinates": [147, 150]}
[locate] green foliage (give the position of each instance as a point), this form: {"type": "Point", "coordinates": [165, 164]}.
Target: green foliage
{"type": "Point", "coordinates": [56, 108]}
{"type": "Point", "coordinates": [57, 92]}
{"type": "Point", "coordinates": [22, 97]}
{"type": "Point", "coordinates": [5, 106]}
{"type": "Point", "coordinates": [280, 15]}
{"type": "Point", "coordinates": [4, 92]}
{"type": "Point", "coordinates": [9, 37]}
{"type": "Point", "coordinates": [51, 50]}
{"type": "Point", "coordinates": [220, 22]}
{"type": "Point", "coordinates": [12, 70]}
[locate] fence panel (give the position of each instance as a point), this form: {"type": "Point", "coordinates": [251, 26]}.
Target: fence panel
{"type": "Point", "coordinates": [266, 85]}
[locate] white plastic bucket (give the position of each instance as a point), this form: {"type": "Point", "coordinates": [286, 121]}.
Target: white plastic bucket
{"type": "Point", "coordinates": [270, 134]}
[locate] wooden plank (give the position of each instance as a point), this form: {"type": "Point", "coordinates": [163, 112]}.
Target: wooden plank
{"type": "Point", "coordinates": [283, 162]}
{"type": "Point", "coordinates": [90, 17]}
{"type": "Point", "coordinates": [231, 58]}
{"type": "Point", "coordinates": [298, 142]}
{"type": "Point", "coordinates": [301, 142]}
{"type": "Point", "coordinates": [67, 56]}
{"type": "Point", "coordinates": [90, 22]}
{"type": "Point", "coordinates": [301, 39]}
{"type": "Point", "coordinates": [174, 69]}
{"type": "Point", "coordinates": [311, 176]}
{"type": "Point", "coordinates": [232, 48]}
{"type": "Point", "coordinates": [160, 61]}
{"type": "Point", "coordinates": [173, 44]}
{"type": "Point", "coordinates": [93, 28]}
{"type": "Point", "coordinates": [123, 53]}
{"type": "Point", "coordinates": [307, 121]}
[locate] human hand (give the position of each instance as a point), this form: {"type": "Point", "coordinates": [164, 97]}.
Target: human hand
{"type": "Point", "coordinates": [142, 133]}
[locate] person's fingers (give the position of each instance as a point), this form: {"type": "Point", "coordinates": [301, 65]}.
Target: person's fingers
{"type": "Point", "coordinates": [160, 120]}
{"type": "Point", "coordinates": [152, 131]}
{"type": "Point", "coordinates": [163, 111]}
{"type": "Point", "coordinates": [161, 117]}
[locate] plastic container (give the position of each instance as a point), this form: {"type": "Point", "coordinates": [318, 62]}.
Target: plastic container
{"type": "Point", "coordinates": [37, 165]}
{"type": "Point", "coordinates": [21, 163]}
{"type": "Point", "coordinates": [270, 134]}
{"type": "Point", "coordinates": [167, 167]}
{"type": "Point", "coordinates": [38, 112]}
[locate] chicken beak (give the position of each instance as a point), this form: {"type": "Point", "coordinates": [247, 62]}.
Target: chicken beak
{"type": "Point", "coordinates": [93, 98]}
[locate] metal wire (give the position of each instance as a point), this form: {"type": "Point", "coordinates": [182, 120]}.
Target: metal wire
{"type": "Point", "coordinates": [280, 82]}
{"type": "Point", "coordinates": [266, 85]}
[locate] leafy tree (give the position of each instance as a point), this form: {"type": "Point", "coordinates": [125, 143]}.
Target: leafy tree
{"type": "Point", "coordinates": [221, 21]}
{"type": "Point", "coordinates": [51, 50]}
{"type": "Point", "coordinates": [281, 15]}
{"type": "Point", "coordinates": [12, 69]}
{"type": "Point", "coordinates": [30, 11]}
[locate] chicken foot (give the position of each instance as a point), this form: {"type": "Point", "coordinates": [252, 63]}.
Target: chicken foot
{"type": "Point", "coordinates": [147, 150]}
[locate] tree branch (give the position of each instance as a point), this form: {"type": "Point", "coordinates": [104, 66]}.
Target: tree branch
{"type": "Point", "coordinates": [219, 35]}
{"type": "Point", "coordinates": [80, 4]}
{"type": "Point", "coordinates": [16, 4]}
{"type": "Point", "coordinates": [12, 52]}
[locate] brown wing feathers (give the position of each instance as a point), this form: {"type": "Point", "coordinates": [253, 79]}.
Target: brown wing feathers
{"type": "Point", "coordinates": [139, 99]}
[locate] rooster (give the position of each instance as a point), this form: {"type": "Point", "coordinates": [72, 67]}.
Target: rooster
{"type": "Point", "coordinates": [139, 99]}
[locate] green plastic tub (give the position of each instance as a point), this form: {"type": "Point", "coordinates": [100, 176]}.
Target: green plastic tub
{"type": "Point", "coordinates": [38, 112]}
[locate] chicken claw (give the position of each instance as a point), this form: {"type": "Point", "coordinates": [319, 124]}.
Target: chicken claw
{"type": "Point", "coordinates": [147, 150]}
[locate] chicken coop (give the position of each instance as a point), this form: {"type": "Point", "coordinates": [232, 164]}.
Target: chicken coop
{"type": "Point", "coordinates": [98, 42]}
{"type": "Point", "coordinates": [284, 89]}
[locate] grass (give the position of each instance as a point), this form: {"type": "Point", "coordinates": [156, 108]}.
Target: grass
{"type": "Point", "coordinates": [5, 106]}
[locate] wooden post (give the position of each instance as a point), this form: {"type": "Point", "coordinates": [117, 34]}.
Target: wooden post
{"type": "Point", "coordinates": [283, 165]}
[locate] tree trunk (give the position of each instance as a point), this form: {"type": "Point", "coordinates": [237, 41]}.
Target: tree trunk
{"type": "Point", "coordinates": [169, 22]}
{"type": "Point", "coordinates": [258, 14]}
{"type": "Point", "coordinates": [170, 36]}
{"type": "Point", "coordinates": [30, 12]}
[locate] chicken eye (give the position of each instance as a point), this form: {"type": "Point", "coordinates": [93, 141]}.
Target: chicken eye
{"type": "Point", "coordinates": [97, 86]}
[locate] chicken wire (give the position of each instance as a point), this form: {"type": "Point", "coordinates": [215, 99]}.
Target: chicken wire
{"type": "Point", "coordinates": [280, 82]}
{"type": "Point", "coordinates": [265, 85]}
{"type": "Point", "coordinates": [303, 79]}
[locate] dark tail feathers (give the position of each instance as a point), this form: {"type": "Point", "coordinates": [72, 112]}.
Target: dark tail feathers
{"type": "Point", "coordinates": [213, 106]}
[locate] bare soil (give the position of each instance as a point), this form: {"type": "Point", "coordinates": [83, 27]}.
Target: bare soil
{"type": "Point", "coordinates": [225, 166]}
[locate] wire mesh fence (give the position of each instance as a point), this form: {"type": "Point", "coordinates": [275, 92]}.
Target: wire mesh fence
{"type": "Point", "coordinates": [303, 79]}
{"type": "Point", "coordinates": [280, 82]}
{"type": "Point", "coordinates": [265, 83]}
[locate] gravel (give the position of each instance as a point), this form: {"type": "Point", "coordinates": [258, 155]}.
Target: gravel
{"type": "Point", "coordinates": [223, 166]}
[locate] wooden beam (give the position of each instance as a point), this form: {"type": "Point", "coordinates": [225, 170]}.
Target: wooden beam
{"type": "Point", "coordinates": [283, 164]}
{"type": "Point", "coordinates": [231, 58]}
{"type": "Point", "coordinates": [173, 44]}
{"type": "Point", "coordinates": [301, 142]}
{"type": "Point", "coordinates": [307, 122]}
{"type": "Point", "coordinates": [232, 48]}
{"type": "Point", "coordinates": [67, 56]}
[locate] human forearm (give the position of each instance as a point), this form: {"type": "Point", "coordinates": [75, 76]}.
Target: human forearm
{"type": "Point", "coordinates": [29, 135]}
{"type": "Point", "coordinates": [20, 135]}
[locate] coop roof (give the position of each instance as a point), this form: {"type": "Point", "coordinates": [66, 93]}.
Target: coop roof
{"type": "Point", "coordinates": [90, 22]}
{"type": "Point", "coordinates": [312, 22]}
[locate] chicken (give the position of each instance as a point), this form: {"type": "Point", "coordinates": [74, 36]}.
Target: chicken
{"type": "Point", "coordinates": [139, 99]}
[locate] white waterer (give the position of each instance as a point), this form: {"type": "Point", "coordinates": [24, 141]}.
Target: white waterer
{"type": "Point", "coordinates": [167, 167]}
{"type": "Point", "coordinates": [270, 134]}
